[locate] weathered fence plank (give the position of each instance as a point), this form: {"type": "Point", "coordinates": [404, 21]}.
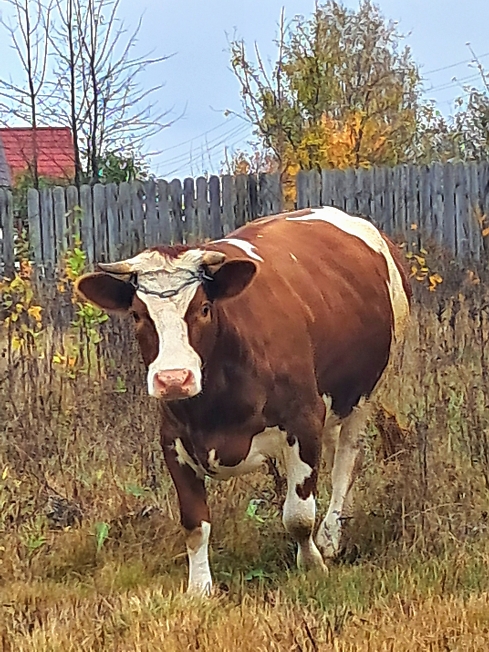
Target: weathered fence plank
{"type": "Point", "coordinates": [60, 225]}
{"type": "Point", "coordinates": [228, 203]}
{"type": "Point", "coordinates": [302, 189]}
{"type": "Point", "coordinates": [86, 226]}
{"type": "Point", "coordinates": [47, 228]}
{"type": "Point", "coordinates": [202, 209]}
{"type": "Point", "coordinates": [100, 223]}
{"type": "Point", "coordinates": [350, 191]}
{"type": "Point", "coordinates": [462, 212]}
{"type": "Point", "coordinates": [152, 222]}
{"type": "Point", "coordinates": [165, 234]}
{"type": "Point", "coordinates": [449, 207]}
{"type": "Point", "coordinates": [242, 214]}
{"type": "Point", "coordinates": [34, 223]}
{"type": "Point", "coordinates": [363, 193]}
{"type": "Point", "coordinates": [189, 211]}
{"type": "Point", "coordinates": [449, 203]}
{"type": "Point", "coordinates": [314, 189]}
{"type": "Point", "coordinates": [475, 211]}
{"type": "Point", "coordinates": [7, 226]}
{"type": "Point", "coordinates": [176, 192]}
{"type": "Point", "coordinates": [425, 211]}
{"type": "Point", "coordinates": [125, 218]}
{"type": "Point", "coordinates": [437, 199]}
{"type": "Point", "coordinates": [137, 223]}
{"type": "Point", "coordinates": [215, 208]}
{"type": "Point", "coordinates": [72, 215]}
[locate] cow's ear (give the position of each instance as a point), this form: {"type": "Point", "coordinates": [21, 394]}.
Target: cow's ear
{"type": "Point", "coordinates": [230, 279]}
{"type": "Point", "coordinates": [105, 291]}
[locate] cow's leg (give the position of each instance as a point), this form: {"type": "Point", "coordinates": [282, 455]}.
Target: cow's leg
{"type": "Point", "coordinates": [346, 464]}
{"type": "Point", "coordinates": [194, 515]}
{"type": "Point", "coordinates": [301, 456]}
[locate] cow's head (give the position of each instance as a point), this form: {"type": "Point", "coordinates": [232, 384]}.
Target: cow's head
{"type": "Point", "coordinates": [173, 296]}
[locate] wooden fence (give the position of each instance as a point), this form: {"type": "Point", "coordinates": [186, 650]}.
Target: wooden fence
{"type": "Point", "coordinates": [115, 221]}
{"type": "Point", "coordinates": [445, 203]}
{"type": "Point", "coordinates": [448, 203]}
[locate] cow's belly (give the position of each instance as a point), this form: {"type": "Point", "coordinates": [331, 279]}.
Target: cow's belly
{"type": "Point", "coordinates": [264, 445]}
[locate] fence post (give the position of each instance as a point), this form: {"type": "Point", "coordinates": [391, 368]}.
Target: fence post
{"type": "Point", "coordinates": [302, 189]}
{"type": "Point", "coordinates": [7, 223]}
{"type": "Point", "coordinates": [34, 225]}
{"type": "Point", "coordinates": [215, 207]}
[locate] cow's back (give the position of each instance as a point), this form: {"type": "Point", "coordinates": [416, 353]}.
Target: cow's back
{"type": "Point", "coordinates": [326, 298]}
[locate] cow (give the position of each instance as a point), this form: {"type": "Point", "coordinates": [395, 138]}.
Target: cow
{"type": "Point", "coordinates": [264, 344]}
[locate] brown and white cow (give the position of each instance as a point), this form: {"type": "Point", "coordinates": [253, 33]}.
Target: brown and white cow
{"type": "Point", "coordinates": [263, 345]}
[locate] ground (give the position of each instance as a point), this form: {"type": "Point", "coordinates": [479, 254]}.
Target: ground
{"type": "Point", "coordinates": [91, 553]}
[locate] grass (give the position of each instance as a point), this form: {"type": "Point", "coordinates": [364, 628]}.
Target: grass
{"type": "Point", "coordinates": [91, 552]}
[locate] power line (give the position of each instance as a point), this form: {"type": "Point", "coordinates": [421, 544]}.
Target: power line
{"type": "Point", "coordinates": [210, 145]}
{"type": "Point", "coordinates": [199, 158]}
{"type": "Point", "coordinates": [454, 65]}
{"type": "Point", "coordinates": [215, 142]}
{"type": "Point", "coordinates": [453, 83]}
{"type": "Point", "coordinates": [202, 135]}
{"type": "Point", "coordinates": [193, 158]}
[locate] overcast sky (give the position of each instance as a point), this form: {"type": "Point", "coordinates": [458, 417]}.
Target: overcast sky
{"type": "Point", "coordinates": [200, 87]}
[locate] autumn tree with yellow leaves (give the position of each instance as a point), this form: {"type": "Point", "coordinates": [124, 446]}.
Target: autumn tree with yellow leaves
{"type": "Point", "coordinates": [342, 93]}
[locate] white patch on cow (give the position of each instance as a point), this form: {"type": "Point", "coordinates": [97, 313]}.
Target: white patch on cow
{"type": "Point", "coordinates": [345, 436]}
{"type": "Point", "coordinates": [175, 351]}
{"type": "Point", "coordinates": [199, 577]}
{"type": "Point", "coordinates": [363, 229]}
{"type": "Point", "coordinates": [293, 257]}
{"type": "Point", "coordinates": [299, 515]}
{"type": "Point", "coordinates": [264, 445]}
{"type": "Point", "coordinates": [244, 245]}
{"type": "Point", "coordinates": [159, 273]}
{"type": "Point", "coordinates": [183, 457]}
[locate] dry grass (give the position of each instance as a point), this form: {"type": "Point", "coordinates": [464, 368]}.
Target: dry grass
{"type": "Point", "coordinates": [80, 456]}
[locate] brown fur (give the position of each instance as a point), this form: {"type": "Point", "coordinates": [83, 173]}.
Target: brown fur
{"type": "Point", "coordinates": [170, 251]}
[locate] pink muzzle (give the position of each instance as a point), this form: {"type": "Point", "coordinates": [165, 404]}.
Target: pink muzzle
{"type": "Point", "coordinates": [174, 384]}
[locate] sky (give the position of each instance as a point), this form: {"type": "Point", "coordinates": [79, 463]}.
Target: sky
{"type": "Point", "coordinates": [198, 85]}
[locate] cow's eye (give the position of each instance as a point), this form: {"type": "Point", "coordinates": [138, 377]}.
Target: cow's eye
{"type": "Point", "coordinates": [136, 317]}
{"type": "Point", "coordinates": [205, 310]}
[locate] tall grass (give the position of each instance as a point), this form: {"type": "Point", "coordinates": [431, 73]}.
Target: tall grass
{"type": "Point", "coordinates": [91, 553]}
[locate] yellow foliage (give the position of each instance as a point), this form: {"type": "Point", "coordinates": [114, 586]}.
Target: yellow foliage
{"type": "Point", "coordinates": [35, 312]}
{"type": "Point", "coordinates": [23, 316]}
{"type": "Point", "coordinates": [357, 141]}
{"type": "Point", "coordinates": [420, 269]}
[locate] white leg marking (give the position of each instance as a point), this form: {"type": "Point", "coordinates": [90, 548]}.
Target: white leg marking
{"type": "Point", "coordinates": [299, 514]}
{"type": "Point", "coordinates": [199, 579]}
{"type": "Point", "coordinates": [345, 465]}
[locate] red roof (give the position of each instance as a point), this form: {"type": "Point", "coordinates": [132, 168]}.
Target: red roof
{"type": "Point", "coordinates": [55, 154]}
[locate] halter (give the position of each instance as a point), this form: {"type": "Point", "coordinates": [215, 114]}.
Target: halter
{"type": "Point", "coordinates": [194, 277]}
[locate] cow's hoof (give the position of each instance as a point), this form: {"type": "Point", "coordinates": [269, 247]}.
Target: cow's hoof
{"type": "Point", "coordinates": [200, 590]}
{"type": "Point", "coordinates": [328, 539]}
{"type": "Point", "coordinates": [309, 557]}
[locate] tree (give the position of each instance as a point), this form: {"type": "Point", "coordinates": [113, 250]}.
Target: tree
{"type": "Point", "coordinates": [98, 82]}
{"type": "Point", "coordinates": [471, 120]}
{"type": "Point", "coordinates": [82, 72]}
{"type": "Point", "coordinates": [116, 167]}
{"type": "Point", "coordinates": [28, 32]}
{"type": "Point", "coordinates": [341, 93]}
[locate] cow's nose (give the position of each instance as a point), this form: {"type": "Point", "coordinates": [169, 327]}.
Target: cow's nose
{"type": "Point", "coordinates": [174, 383]}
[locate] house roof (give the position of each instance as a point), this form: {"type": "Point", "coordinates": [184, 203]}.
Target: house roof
{"type": "Point", "coordinates": [55, 154]}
